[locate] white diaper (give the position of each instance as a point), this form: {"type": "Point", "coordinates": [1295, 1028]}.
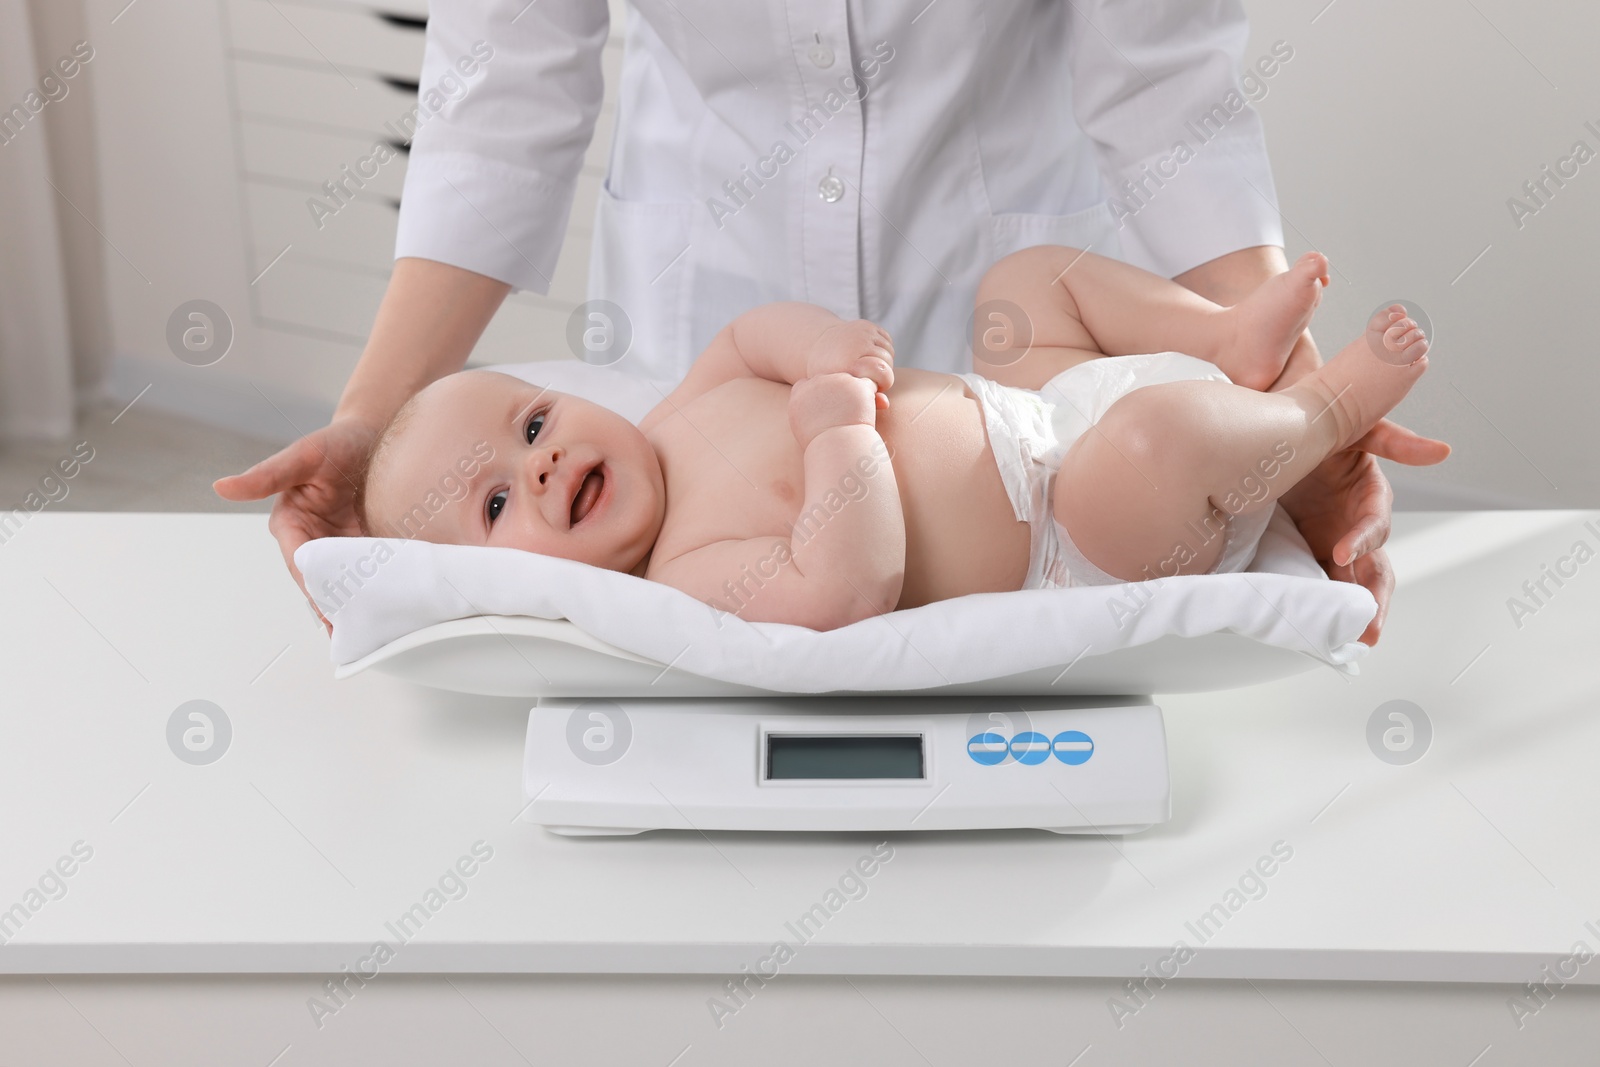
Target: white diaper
{"type": "Point", "coordinates": [1031, 431]}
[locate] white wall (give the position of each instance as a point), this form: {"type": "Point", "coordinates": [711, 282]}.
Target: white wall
{"type": "Point", "coordinates": [1397, 134]}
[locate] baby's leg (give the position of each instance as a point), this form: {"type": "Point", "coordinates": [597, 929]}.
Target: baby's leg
{"type": "Point", "coordinates": [1148, 492]}
{"type": "Point", "coordinates": [1073, 305]}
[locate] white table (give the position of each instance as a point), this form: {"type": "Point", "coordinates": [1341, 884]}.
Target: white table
{"type": "Point", "coordinates": [338, 805]}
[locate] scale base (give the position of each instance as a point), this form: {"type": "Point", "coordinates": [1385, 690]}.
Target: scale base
{"type": "Point", "coordinates": [890, 764]}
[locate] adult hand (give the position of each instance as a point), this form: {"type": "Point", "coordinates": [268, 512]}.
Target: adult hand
{"type": "Point", "coordinates": [314, 480]}
{"type": "Point", "coordinates": [1342, 510]}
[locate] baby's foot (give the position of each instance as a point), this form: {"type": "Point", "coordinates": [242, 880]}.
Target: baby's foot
{"type": "Point", "coordinates": [1262, 328]}
{"type": "Point", "coordinates": [1364, 382]}
{"type": "Point", "coordinates": [1395, 337]}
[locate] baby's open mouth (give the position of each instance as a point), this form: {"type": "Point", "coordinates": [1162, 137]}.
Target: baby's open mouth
{"type": "Point", "coordinates": [588, 492]}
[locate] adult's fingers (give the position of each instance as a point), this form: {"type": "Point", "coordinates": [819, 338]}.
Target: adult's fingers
{"type": "Point", "coordinates": [1373, 572]}
{"type": "Point", "coordinates": [292, 465]}
{"type": "Point", "coordinates": [289, 527]}
{"type": "Point", "coordinates": [1373, 500]}
{"type": "Point", "coordinates": [1369, 534]}
{"type": "Point", "coordinates": [1394, 442]}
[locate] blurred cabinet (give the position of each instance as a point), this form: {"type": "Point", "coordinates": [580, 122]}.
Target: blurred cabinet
{"type": "Point", "coordinates": [315, 86]}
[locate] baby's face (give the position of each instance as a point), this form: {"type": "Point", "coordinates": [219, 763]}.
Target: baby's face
{"type": "Point", "coordinates": [555, 474]}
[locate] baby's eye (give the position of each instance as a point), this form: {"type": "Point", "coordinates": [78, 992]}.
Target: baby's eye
{"type": "Point", "coordinates": [497, 502]}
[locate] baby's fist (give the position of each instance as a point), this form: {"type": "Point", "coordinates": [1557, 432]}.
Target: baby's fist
{"type": "Point", "coordinates": [861, 348]}
{"type": "Point", "coordinates": [830, 400]}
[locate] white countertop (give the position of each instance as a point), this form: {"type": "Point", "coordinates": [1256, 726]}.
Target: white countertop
{"type": "Point", "coordinates": [337, 806]}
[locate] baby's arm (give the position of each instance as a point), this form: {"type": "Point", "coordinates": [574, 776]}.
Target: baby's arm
{"type": "Point", "coordinates": [783, 342]}
{"type": "Point", "coordinates": [845, 558]}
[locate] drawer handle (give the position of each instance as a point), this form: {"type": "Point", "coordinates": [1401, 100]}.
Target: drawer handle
{"type": "Point", "coordinates": [405, 85]}
{"type": "Point", "coordinates": [405, 22]}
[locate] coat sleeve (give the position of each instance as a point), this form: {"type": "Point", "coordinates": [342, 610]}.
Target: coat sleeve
{"type": "Point", "coordinates": [490, 180]}
{"type": "Point", "coordinates": [1150, 77]}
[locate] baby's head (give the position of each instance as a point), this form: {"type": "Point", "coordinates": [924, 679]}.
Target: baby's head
{"type": "Point", "coordinates": [482, 458]}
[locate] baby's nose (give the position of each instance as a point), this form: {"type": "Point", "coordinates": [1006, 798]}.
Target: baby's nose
{"type": "Point", "coordinates": [542, 464]}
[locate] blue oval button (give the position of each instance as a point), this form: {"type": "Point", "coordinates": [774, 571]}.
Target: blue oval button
{"type": "Point", "coordinates": [1030, 747]}
{"type": "Point", "coordinates": [1072, 746]}
{"type": "Point", "coordinates": [988, 749]}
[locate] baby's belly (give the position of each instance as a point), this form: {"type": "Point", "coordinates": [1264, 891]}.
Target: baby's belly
{"type": "Point", "coordinates": [734, 470]}
{"type": "Point", "coordinates": [962, 535]}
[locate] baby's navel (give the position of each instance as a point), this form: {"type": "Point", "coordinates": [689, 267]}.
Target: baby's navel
{"type": "Point", "coordinates": [784, 491]}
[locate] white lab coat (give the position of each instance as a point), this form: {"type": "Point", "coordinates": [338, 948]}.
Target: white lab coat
{"type": "Point", "coordinates": [971, 128]}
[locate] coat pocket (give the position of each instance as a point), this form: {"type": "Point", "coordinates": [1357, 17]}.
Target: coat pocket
{"type": "Point", "coordinates": [640, 262]}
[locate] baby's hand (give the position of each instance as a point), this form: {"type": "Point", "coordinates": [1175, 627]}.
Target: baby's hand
{"type": "Point", "coordinates": [830, 400]}
{"type": "Point", "coordinates": [861, 348]}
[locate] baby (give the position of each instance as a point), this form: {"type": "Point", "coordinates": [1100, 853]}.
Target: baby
{"type": "Point", "coordinates": [796, 475]}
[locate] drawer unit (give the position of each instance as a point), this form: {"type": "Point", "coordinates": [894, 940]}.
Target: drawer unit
{"type": "Point", "coordinates": [411, 9]}
{"type": "Point", "coordinates": [318, 97]}
{"type": "Point", "coordinates": [311, 158]}
{"type": "Point", "coordinates": [350, 38]}
{"type": "Point", "coordinates": [319, 297]}
{"type": "Point", "coordinates": [360, 235]}
{"type": "Point", "coordinates": [316, 84]}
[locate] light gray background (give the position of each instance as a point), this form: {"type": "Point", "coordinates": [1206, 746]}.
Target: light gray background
{"type": "Point", "coordinates": [1397, 133]}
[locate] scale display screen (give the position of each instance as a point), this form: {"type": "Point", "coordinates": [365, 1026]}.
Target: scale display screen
{"type": "Point", "coordinates": [821, 756]}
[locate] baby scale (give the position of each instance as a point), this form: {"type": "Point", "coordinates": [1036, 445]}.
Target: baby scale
{"type": "Point", "coordinates": [878, 764]}
{"type": "Point", "coordinates": [619, 744]}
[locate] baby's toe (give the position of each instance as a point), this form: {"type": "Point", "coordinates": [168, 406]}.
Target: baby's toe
{"type": "Point", "coordinates": [1407, 339]}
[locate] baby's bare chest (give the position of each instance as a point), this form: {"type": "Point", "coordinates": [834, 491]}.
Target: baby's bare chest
{"type": "Point", "coordinates": [732, 467]}
{"type": "Point", "coordinates": [733, 470]}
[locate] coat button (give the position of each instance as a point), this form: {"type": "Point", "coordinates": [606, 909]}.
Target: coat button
{"type": "Point", "coordinates": [830, 188]}
{"type": "Point", "coordinates": [821, 55]}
